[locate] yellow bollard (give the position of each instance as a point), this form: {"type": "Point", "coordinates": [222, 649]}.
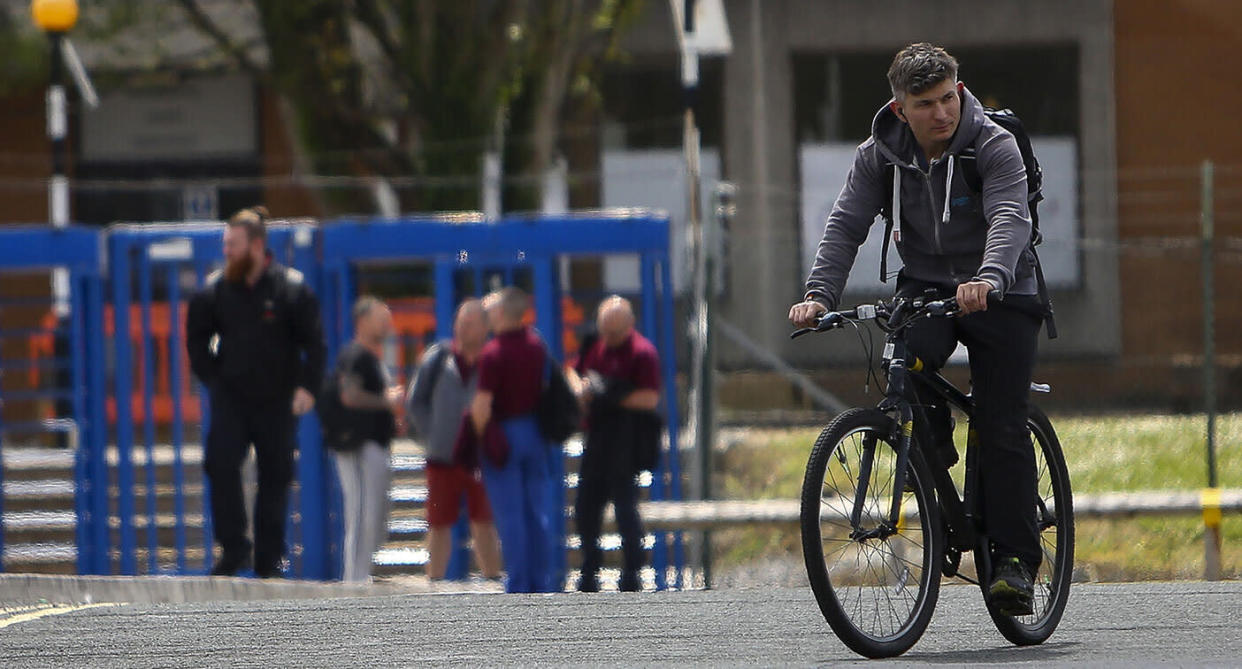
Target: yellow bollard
{"type": "Point", "coordinates": [1210, 500]}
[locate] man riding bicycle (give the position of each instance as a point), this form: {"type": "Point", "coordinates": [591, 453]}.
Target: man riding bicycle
{"type": "Point", "coordinates": [954, 240]}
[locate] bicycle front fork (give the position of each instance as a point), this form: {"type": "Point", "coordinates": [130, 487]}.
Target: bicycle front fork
{"type": "Point", "coordinates": [888, 526]}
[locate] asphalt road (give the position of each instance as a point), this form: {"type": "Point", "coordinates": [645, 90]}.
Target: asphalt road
{"type": "Point", "coordinates": [1176, 624]}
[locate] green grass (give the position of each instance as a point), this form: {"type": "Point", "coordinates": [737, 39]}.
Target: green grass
{"type": "Point", "coordinates": [1112, 453]}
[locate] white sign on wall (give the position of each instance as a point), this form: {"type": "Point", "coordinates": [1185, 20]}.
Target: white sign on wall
{"type": "Point", "coordinates": [199, 117]}
{"type": "Point", "coordinates": [654, 179]}
{"type": "Point", "coordinates": [200, 202]}
{"type": "Point", "coordinates": [824, 167]}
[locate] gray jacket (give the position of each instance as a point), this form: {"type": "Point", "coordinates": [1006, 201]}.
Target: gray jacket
{"type": "Point", "coordinates": [437, 401]}
{"type": "Point", "coordinates": [943, 238]}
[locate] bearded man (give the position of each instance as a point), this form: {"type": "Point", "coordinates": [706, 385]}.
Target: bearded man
{"type": "Point", "coordinates": [254, 339]}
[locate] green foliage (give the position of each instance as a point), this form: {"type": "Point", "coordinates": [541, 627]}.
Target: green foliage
{"type": "Point", "coordinates": [23, 57]}
{"type": "Point", "coordinates": [453, 78]}
{"type": "Point", "coordinates": [1111, 453]}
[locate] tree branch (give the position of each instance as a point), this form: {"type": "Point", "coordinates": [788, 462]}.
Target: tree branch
{"type": "Point", "coordinates": [496, 60]}
{"type": "Point", "coordinates": [208, 27]}
{"type": "Point", "coordinates": [371, 16]}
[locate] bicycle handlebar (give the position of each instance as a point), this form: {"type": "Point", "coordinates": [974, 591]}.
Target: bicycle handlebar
{"type": "Point", "coordinates": [885, 312]}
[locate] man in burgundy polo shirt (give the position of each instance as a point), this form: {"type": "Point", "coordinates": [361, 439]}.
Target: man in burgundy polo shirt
{"type": "Point", "coordinates": [618, 381]}
{"type": "Point", "coordinates": [511, 370]}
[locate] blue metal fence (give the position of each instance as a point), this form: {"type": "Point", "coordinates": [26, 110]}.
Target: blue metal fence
{"type": "Point", "coordinates": [147, 264]}
{"type": "Point", "coordinates": [28, 249]}
{"type": "Point", "coordinates": [142, 260]}
{"type": "Point", "coordinates": [509, 247]}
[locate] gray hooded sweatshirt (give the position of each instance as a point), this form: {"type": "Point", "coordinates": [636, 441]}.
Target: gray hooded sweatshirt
{"type": "Point", "coordinates": [947, 233]}
{"type": "Point", "coordinates": [437, 400]}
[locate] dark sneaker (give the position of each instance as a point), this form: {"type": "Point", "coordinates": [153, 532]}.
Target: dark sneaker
{"type": "Point", "coordinates": [229, 565]}
{"type": "Point", "coordinates": [588, 583]}
{"type": "Point", "coordinates": [270, 570]}
{"type": "Point", "coordinates": [630, 582]}
{"type": "Point", "coordinates": [1011, 591]}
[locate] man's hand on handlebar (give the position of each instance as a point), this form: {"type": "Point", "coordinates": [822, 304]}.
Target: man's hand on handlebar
{"type": "Point", "coordinates": [972, 296]}
{"type": "Point", "coordinates": [806, 314]}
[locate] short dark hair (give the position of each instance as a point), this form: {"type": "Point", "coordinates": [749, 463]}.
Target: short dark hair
{"type": "Point", "coordinates": [364, 305]}
{"type": "Point", "coordinates": [512, 302]}
{"type": "Point", "coordinates": [919, 67]}
{"type": "Point", "coordinates": [253, 220]}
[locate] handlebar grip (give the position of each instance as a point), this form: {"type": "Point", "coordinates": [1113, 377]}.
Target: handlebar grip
{"type": "Point", "coordinates": [830, 320]}
{"type": "Point", "coordinates": [945, 307]}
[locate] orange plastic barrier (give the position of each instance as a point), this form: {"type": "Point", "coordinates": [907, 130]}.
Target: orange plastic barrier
{"type": "Point", "coordinates": [413, 319]}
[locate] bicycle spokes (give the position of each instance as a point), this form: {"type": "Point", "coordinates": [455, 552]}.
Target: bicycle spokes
{"type": "Point", "coordinates": [875, 557]}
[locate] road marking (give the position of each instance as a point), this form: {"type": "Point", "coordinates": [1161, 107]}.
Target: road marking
{"type": "Point", "coordinates": [27, 613]}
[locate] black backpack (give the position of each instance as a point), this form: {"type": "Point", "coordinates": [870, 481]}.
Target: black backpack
{"type": "Point", "coordinates": [1008, 120]}
{"type": "Point", "coordinates": [557, 412]}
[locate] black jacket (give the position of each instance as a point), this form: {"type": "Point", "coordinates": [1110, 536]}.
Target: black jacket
{"type": "Point", "coordinates": [270, 336]}
{"type": "Point", "coordinates": [631, 436]}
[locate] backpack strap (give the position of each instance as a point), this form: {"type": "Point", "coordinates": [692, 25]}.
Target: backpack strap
{"type": "Point", "coordinates": [1050, 323]}
{"type": "Point", "coordinates": [436, 366]}
{"type": "Point", "coordinates": [891, 211]}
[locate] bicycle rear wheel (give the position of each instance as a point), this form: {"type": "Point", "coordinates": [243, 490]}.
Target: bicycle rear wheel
{"type": "Point", "coordinates": [1055, 518]}
{"type": "Point", "coordinates": [877, 592]}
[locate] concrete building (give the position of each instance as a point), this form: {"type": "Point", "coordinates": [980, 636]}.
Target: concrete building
{"type": "Point", "coordinates": [1124, 99]}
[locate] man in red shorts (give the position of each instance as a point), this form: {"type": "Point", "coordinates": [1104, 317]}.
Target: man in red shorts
{"type": "Point", "coordinates": [443, 386]}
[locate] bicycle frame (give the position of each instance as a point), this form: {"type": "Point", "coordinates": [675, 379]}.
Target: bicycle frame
{"type": "Point", "coordinates": [947, 522]}
{"type": "Point", "coordinates": [960, 518]}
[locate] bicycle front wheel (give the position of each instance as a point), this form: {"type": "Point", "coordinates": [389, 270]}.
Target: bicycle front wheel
{"type": "Point", "coordinates": [1054, 512]}
{"type": "Point", "coordinates": [875, 585]}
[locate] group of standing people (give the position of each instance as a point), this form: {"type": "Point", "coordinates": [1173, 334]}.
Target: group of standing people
{"type": "Point", "coordinates": [255, 340]}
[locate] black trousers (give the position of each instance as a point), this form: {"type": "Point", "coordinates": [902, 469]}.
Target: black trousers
{"type": "Point", "coordinates": [235, 425]}
{"type": "Point", "coordinates": [1002, 345]}
{"type": "Point", "coordinates": [608, 473]}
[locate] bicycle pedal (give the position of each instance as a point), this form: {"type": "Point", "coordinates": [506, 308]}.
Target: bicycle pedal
{"type": "Point", "coordinates": [1009, 600]}
{"type": "Point", "coordinates": [1014, 607]}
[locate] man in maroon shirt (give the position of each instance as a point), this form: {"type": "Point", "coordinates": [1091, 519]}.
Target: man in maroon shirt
{"type": "Point", "coordinates": [618, 380]}
{"type": "Point", "coordinates": [511, 372]}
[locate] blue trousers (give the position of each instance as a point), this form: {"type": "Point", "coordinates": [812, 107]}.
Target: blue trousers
{"type": "Point", "coordinates": [518, 492]}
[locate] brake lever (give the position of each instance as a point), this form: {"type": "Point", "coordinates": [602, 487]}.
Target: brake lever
{"type": "Point", "coordinates": [828, 322]}
{"type": "Point", "coordinates": [945, 307]}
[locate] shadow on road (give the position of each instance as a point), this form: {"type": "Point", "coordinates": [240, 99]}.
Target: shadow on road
{"type": "Point", "coordinates": [1048, 652]}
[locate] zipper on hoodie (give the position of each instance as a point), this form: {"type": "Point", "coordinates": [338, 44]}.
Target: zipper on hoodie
{"type": "Point", "coordinates": [931, 201]}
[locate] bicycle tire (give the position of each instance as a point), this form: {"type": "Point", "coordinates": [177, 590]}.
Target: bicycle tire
{"type": "Point", "coordinates": [842, 594]}
{"type": "Point", "coordinates": [1052, 582]}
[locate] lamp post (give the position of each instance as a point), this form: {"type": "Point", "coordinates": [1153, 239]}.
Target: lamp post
{"type": "Point", "coordinates": [57, 17]}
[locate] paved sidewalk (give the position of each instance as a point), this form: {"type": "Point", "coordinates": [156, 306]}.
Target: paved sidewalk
{"type": "Point", "coordinates": [24, 589]}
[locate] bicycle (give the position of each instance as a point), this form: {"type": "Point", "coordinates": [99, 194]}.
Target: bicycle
{"type": "Point", "coordinates": [882, 519]}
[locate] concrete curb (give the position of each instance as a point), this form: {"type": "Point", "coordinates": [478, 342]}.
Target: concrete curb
{"type": "Point", "coordinates": [52, 589]}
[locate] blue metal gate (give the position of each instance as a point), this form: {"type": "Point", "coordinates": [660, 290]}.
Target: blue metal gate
{"type": "Point", "coordinates": [76, 250]}
{"type": "Point", "coordinates": [150, 266]}
{"type": "Point", "coordinates": [511, 246]}
{"type": "Point", "coordinates": [129, 382]}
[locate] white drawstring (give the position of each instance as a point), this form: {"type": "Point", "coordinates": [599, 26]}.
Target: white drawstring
{"type": "Point", "coordinates": [948, 189]}
{"type": "Point", "coordinates": [897, 197]}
